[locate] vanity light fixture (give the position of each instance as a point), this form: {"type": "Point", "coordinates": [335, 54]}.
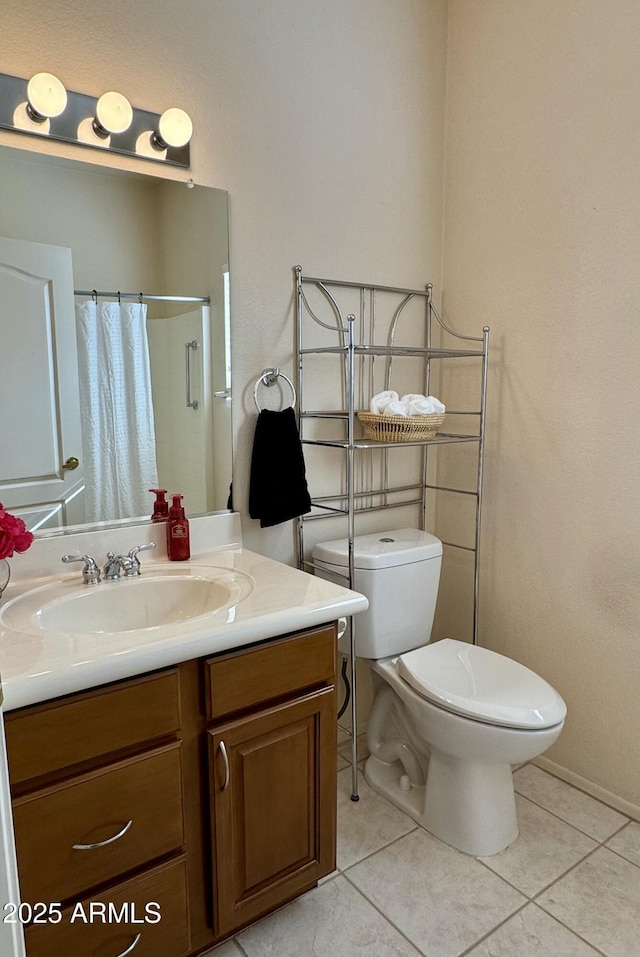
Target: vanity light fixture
{"type": "Point", "coordinates": [114, 114]}
{"type": "Point", "coordinates": [174, 129]}
{"type": "Point", "coordinates": [46, 97]}
{"type": "Point", "coordinates": [43, 106]}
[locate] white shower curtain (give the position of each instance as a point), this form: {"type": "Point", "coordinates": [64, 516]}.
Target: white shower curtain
{"type": "Point", "coordinates": [116, 409]}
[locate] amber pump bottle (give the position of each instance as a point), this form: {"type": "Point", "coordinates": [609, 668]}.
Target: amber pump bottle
{"type": "Point", "coordinates": [178, 548]}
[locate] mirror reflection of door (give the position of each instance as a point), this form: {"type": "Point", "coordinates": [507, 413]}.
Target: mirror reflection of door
{"type": "Point", "coordinates": [39, 402]}
{"type": "Point", "coordinates": [180, 356]}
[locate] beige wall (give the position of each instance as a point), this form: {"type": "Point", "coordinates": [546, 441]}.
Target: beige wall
{"type": "Point", "coordinates": [542, 231]}
{"type": "Point", "coordinates": [88, 212]}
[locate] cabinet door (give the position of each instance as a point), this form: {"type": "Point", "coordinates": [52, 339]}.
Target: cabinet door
{"type": "Point", "coordinates": [273, 792]}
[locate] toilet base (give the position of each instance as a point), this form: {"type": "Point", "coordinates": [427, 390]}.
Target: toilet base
{"type": "Point", "coordinates": [469, 806]}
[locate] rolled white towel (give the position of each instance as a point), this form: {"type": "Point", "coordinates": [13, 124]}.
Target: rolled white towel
{"type": "Point", "coordinates": [439, 407]}
{"type": "Point", "coordinates": [411, 396]}
{"type": "Point", "coordinates": [396, 408]}
{"type": "Point", "coordinates": [421, 406]}
{"type": "Point", "coordinates": [379, 401]}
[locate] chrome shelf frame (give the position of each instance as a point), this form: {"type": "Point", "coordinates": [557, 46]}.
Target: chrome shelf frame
{"type": "Point", "coordinates": [357, 341]}
{"type": "Point", "coordinates": [443, 438]}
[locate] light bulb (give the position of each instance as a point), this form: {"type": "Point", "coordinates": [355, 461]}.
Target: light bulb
{"type": "Point", "coordinates": [86, 133]}
{"type": "Point", "coordinates": [113, 114]}
{"type": "Point", "coordinates": [146, 146]}
{"type": "Point", "coordinates": [174, 129]}
{"type": "Point", "coordinates": [46, 97]}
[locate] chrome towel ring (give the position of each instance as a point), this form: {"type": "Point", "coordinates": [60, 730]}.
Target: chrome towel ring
{"type": "Point", "coordinates": [268, 378]}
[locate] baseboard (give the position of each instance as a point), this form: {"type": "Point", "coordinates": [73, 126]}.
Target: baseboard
{"type": "Point", "coordinates": [594, 790]}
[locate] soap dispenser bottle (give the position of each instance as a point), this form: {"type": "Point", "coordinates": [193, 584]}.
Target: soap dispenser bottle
{"type": "Point", "coordinates": [178, 549]}
{"type": "Point", "coordinates": [160, 506]}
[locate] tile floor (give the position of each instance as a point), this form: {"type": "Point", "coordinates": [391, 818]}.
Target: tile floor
{"type": "Point", "coordinates": [569, 886]}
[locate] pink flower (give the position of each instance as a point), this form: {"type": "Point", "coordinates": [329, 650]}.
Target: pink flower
{"type": "Point", "coordinates": [14, 535]}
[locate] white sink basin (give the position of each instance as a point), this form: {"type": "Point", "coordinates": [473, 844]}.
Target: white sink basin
{"type": "Point", "coordinates": [155, 599]}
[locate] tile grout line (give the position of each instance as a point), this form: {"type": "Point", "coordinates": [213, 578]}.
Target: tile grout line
{"type": "Point", "coordinates": [577, 864]}
{"type": "Point", "coordinates": [562, 876]}
{"type": "Point", "coordinates": [525, 902]}
{"type": "Point", "coordinates": [382, 847]}
{"type": "Point", "coordinates": [526, 797]}
{"type": "Point", "coordinates": [494, 929]}
{"type": "Point", "coordinates": [618, 854]}
{"type": "Point", "coordinates": [577, 787]}
{"type": "Point", "coordinates": [574, 932]}
{"type": "Point", "coordinates": [383, 915]}
{"type": "Point", "coordinates": [528, 899]}
{"type": "Point", "coordinates": [546, 887]}
{"type": "Point", "coordinates": [532, 903]}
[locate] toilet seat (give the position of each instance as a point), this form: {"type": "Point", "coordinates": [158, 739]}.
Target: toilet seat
{"type": "Point", "coordinates": [481, 684]}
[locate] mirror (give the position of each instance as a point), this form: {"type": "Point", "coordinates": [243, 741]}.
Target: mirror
{"type": "Point", "coordinates": [63, 224]}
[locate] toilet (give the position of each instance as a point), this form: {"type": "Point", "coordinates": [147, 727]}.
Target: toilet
{"type": "Point", "coordinates": [449, 719]}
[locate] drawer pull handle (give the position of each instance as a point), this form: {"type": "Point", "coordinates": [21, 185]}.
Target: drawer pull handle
{"type": "Point", "coordinates": [225, 758]}
{"type": "Point", "coordinates": [110, 840]}
{"type": "Point", "coordinates": [131, 946]}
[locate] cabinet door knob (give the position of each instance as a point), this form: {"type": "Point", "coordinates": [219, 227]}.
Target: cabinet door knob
{"type": "Point", "coordinates": [110, 840]}
{"type": "Point", "coordinates": [225, 758]}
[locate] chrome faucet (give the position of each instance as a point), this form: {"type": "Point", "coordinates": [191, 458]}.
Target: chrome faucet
{"type": "Point", "coordinates": [129, 564]}
{"type": "Point", "coordinates": [90, 572]}
{"type": "Point", "coordinates": [114, 565]}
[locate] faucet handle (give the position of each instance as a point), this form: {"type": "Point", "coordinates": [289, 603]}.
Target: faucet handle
{"type": "Point", "coordinates": [90, 572]}
{"type": "Point", "coordinates": [135, 561]}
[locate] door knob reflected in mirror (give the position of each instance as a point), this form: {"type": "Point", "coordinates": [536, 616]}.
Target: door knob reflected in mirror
{"type": "Point", "coordinates": [71, 463]}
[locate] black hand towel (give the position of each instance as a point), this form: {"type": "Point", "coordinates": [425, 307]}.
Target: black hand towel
{"type": "Point", "coordinates": [278, 487]}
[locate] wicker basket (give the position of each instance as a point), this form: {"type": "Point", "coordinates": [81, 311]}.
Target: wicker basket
{"type": "Point", "coordinates": [400, 428]}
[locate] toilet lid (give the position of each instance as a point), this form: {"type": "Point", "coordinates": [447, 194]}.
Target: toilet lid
{"type": "Point", "coordinates": [481, 684]}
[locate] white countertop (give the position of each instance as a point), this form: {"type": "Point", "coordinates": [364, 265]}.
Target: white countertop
{"type": "Point", "coordinates": [36, 667]}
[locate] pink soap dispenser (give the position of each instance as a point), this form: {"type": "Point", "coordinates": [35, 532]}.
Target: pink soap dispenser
{"type": "Point", "coordinates": [178, 548]}
{"type": "Point", "coordinates": [160, 506]}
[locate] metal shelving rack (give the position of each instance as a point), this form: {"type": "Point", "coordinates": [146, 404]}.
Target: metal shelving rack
{"type": "Point", "coordinates": [354, 337]}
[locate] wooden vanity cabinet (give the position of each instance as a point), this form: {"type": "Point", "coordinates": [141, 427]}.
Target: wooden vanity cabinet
{"type": "Point", "coordinates": [272, 761]}
{"type": "Point", "coordinates": [98, 812]}
{"type": "Point", "coordinates": [208, 789]}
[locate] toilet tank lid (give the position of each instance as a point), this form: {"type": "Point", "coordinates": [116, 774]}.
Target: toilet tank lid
{"type": "Point", "coordinates": [400, 546]}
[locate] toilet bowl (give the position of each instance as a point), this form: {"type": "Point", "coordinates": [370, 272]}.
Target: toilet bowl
{"type": "Point", "coordinates": [449, 719]}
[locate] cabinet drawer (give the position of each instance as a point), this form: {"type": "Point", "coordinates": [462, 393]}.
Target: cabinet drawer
{"type": "Point", "coordinates": [118, 916]}
{"type": "Point", "coordinates": [243, 680]}
{"type": "Point", "coordinates": [46, 738]}
{"type": "Point", "coordinates": [92, 809]}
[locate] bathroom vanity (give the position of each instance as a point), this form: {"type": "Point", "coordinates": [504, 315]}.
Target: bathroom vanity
{"type": "Point", "coordinates": [174, 783]}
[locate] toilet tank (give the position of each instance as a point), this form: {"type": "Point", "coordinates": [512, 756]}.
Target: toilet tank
{"type": "Point", "coordinates": [399, 572]}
